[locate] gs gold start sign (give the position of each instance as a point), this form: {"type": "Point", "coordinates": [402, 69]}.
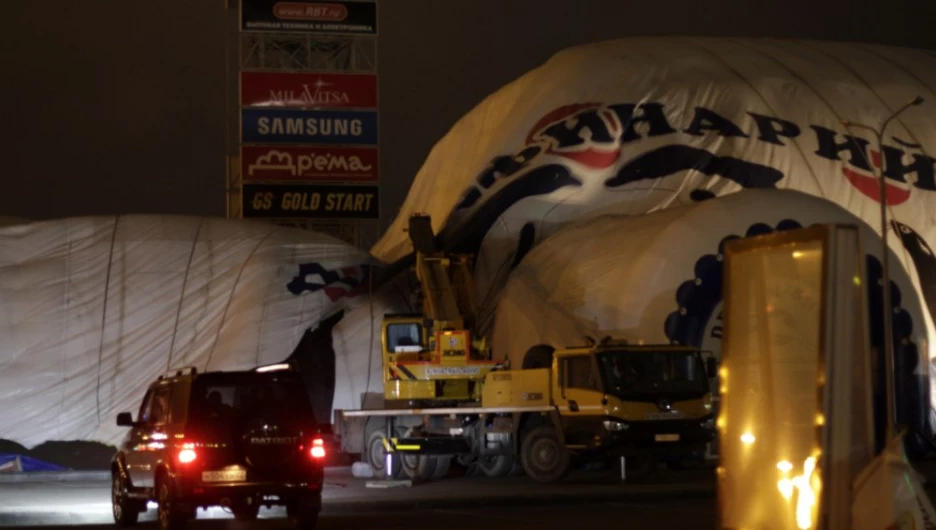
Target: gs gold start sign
{"type": "Point", "coordinates": [310, 201]}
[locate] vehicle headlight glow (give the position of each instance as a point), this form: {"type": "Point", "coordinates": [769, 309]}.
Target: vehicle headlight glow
{"type": "Point", "coordinates": [615, 426]}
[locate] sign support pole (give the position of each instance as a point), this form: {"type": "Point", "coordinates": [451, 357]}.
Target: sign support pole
{"type": "Point", "coordinates": [887, 309]}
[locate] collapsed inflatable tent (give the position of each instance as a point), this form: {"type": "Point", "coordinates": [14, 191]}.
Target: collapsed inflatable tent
{"type": "Point", "coordinates": [657, 278]}
{"type": "Point", "coordinates": [635, 126]}
{"type": "Point", "coordinates": [357, 344]}
{"type": "Point", "coordinates": [94, 309]}
{"type": "Point", "coordinates": [632, 126]}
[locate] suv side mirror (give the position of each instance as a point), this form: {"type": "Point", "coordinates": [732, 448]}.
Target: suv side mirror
{"type": "Point", "coordinates": [711, 367]}
{"type": "Point", "coordinates": [124, 419]}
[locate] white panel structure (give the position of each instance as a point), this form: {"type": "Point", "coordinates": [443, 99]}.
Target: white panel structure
{"type": "Point", "coordinates": [95, 308]}
{"type": "Point", "coordinates": [356, 340]}
{"type": "Point", "coordinates": [657, 278]}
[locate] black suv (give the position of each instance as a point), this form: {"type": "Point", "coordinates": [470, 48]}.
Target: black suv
{"type": "Point", "coordinates": [240, 440]}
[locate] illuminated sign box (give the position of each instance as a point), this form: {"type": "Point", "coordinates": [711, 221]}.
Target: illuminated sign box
{"type": "Point", "coordinates": [323, 17]}
{"type": "Point", "coordinates": [310, 201]}
{"type": "Point", "coordinates": [795, 417]}
{"type": "Point", "coordinates": [323, 127]}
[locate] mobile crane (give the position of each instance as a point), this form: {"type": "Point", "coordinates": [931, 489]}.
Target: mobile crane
{"type": "Point", "coordinates": [431, 357]}
{"type": "Point", "coordinates": [446, 397]}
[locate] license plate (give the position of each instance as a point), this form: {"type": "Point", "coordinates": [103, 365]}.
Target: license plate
{"type": "Point", "coordinates": [227, 475]}
{"type": "Point", "coordinates": [667, 437]}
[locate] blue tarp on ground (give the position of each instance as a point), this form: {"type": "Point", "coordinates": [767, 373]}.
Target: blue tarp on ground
{"type": "Point", "coordinates": [10, 463]}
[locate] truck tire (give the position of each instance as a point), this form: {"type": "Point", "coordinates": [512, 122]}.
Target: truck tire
{"type": "Point", "coordinates": [538, 357]}
{"type": "Point", "coordinates": [468, 464]}
{"type": "Point", "coordinates": [545, 458]}
{"type": "Point", "coordinates": [443, 464]}
{"type": "Point", "coordinates": [418, 467]}
{"type": "Point", "coordinates": [377, 457]}
{"type": "Point", "coordinates": [496, 466]}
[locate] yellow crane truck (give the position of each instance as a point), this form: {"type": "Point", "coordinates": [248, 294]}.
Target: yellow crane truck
{"type": "Point", "coordinates": [446, 397]}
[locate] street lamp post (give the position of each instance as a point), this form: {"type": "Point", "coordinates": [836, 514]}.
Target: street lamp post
{"type": "Point", "coordinates": [887, 310]}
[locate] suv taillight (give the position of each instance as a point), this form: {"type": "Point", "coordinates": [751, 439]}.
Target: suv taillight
{"type": "Point", "coordinates": [318, 448]}
{"type": "Point", "coordinates": [187, 454]}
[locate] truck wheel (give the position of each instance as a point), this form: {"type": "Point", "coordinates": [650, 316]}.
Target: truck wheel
{"type": "Point", "coordinates": [377, 457]}
{"type": "Point", "coordinates": [538, 357]}
{"type": "Point", "coordinates": [443, 463]}
{"type": "Point", "coordinates": [418, 467]}
{"type": "Point", "coordinates": [544, 457]}
{"type": "Point", "coordinates": [469, 463]}
{"type": "Point", "coordinates": [496, 466]}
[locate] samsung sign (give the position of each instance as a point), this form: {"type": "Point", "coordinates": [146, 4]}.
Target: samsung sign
{"type": "Point", "coordinates": [348, 127]}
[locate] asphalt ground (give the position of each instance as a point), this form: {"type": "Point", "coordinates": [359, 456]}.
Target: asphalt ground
{"type": "Point", "coordinates": [676, 515]}
{"type": "Point", "coordinates": [677, 499]}
{"type": "Point", "coordinates": [519, 502]}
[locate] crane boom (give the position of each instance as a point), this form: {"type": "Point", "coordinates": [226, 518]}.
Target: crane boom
{"type": "Point", "coordinates": [446, 281]}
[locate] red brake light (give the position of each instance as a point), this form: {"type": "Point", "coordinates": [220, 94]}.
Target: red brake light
{"type": "Point", "coordinates": [318, 448]}
{"type": "Point", "coordinates": [187, 454]}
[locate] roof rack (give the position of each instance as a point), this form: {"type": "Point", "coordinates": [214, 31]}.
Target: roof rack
{"type": "Point", "coordinates": [186, 370]}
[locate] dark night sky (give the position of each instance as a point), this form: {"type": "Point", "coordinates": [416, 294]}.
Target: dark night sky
{"type": "Point", "coordinates": [119, 106]}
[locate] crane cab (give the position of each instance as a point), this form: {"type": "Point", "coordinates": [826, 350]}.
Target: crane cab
{"type": "Point", "coordinates": [425, 365]}
{"type": "Point", "coordinates": [431, 357]}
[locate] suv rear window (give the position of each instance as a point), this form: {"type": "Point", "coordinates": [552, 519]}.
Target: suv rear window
{"type": "Point", "coordinates": [244, 394]}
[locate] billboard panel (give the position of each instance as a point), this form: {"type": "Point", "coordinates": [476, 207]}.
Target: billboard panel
{"type": "Point", "coordinates": [309, 163]}
{"type": "Point", "coordinates": [331, 127]}
{"type": "Point", "coordinates": [323, 17]}
{"type": "Point", "coordinates": [308, 90]}
{"type": "Point", "coordinates": [310, 201]}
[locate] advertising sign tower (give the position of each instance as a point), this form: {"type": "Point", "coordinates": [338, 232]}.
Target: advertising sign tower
{"type": "Point", "coordinates": [304, 151]}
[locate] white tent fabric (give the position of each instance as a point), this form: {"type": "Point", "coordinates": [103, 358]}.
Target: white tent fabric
{"type": "Point", "coordinates": [636, 125]}
{"type": "Point", "coordinates": [657, 278]}
{"type": "Point", "coordinates": [619, 275]}
{"type": "Point", "coordinates": [95, 308]}
{"type": "Point", "coordinates": [890, 494]}
{"type": "Point", "coordinates": [356, 340]}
